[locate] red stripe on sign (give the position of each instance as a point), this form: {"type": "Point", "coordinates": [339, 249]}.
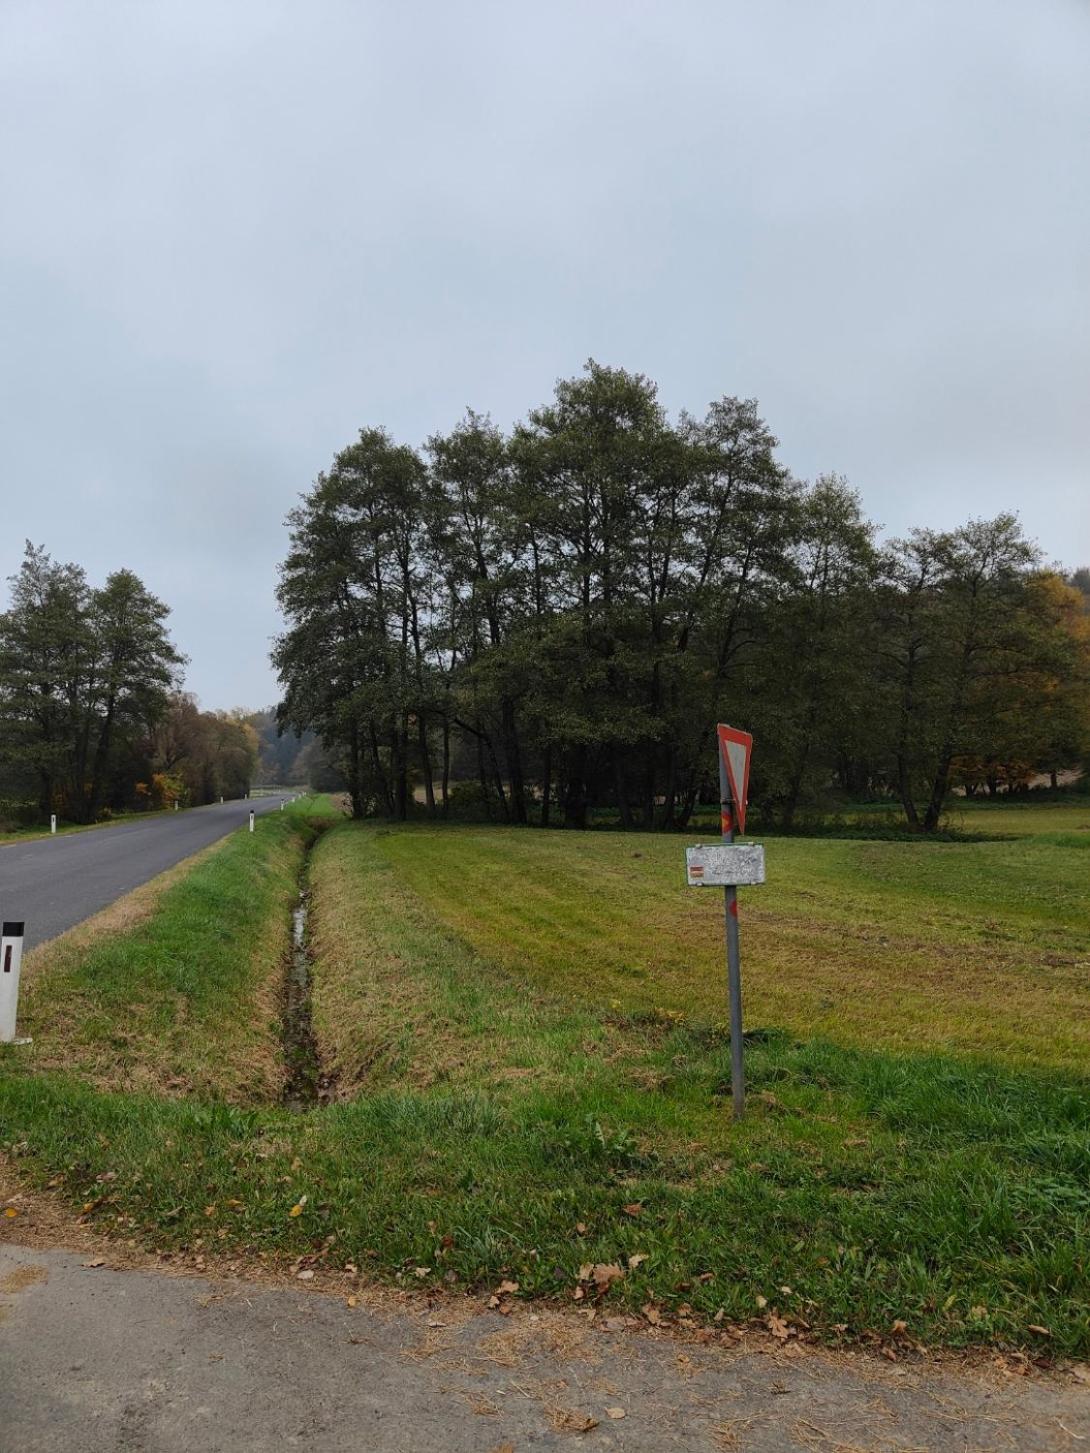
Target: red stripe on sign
{"type": "Point", "coordinates": [725, 822]}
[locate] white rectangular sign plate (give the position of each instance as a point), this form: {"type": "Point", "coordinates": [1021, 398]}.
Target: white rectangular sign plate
{"type": "Point", "coordinates": [714, 865]}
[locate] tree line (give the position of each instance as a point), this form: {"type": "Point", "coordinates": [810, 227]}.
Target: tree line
{"type": "Point", "coordinates": [92, 716]}
{"type": "Point", "coordinates": [545, 623]}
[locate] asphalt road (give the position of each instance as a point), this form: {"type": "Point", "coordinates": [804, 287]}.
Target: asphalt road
{"type": "Point", "coordinates": [121, 1361]}
{"type": "Point", "coordinates": [55, 882]}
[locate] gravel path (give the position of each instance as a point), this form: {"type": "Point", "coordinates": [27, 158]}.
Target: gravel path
{"type": "Point", "coordinates": [108, 1359]}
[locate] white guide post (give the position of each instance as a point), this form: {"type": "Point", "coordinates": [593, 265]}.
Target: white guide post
{"type": "Point", "coordinates": [11, 959]}
{"type": "Point", "coordinates": [251, 819]}
{"type": "Point", "coordinates": [53, 822]}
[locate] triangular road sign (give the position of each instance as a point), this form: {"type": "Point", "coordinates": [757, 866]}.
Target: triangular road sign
{"type": "Point", "coordinates": [736, 749]}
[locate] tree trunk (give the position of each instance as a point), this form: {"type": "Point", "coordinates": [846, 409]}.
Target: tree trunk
{"type": "Point", "coordinates": [669, 802]}
{"type": "Point", "coordinates": [546, 784]}
{"type": "Point", "coordinates": [620, 788]}
{"type": "Point", "coordinates": [498, 777]}
{"type": "Point", "coordinates": [425, 762]}
{"type": "Point", "coordinates": [401, 780]}
{"type": "Point", "coordinates": [649, 789]}
{"type": "Point", "coordinates": [98, 769]}
{"type": "Point", "coordinates": [904, 789]}
{"type": "Point", "coordinates": [445, 788]}
{"type": "Point", "coordinates": [355, 789]}
{"type": "Point", "coordinates": [575, 795]}
{"type": "Point", "coordinates": [939, 788]}
{"type": "Point", "coordinates": [688, 803]}
{"type": "Point", "coordinates": [482, 774]}
{"type": "Point", "coordinates": [514, 761]}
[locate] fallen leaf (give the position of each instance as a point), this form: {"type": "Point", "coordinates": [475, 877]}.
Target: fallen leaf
{"type": "Point", "coordinates": [604, 1274]}
{"type": "Point", "coordinates": [1043, 1331]}
{"type": "Point", "coordinates": [762, 1302]}
{"type": "Point", "coordinates": [507, 1287]}
{"type": "Point", "coordinates": [351, 1301]}
{"type": "Point", "coordinates": [898, 1327]}
{"type": "Point", "coordinates": [96, 1261]}
{"type": "Point", "coordinates": [297, 1209]}
{"type": "Point", "coordinates": [632, 1209]}
{"type": "Point", "coordinates": [581, 1227]}
{"type": "Point", "coordinates": [10, 1211]}
{"type": "Point", "coordinates": [637, 1259]}
{"type": "Point", "coordinates": [305, 1275]}
{"type": "Point", "coordinates": [615, 1413]}
{"type": "Point", "coordinates": [421, 1271]}
{"type": "Point", "coordinates": [778, 1327]}
{"type": "Point", "coordinates": [652, 1313]}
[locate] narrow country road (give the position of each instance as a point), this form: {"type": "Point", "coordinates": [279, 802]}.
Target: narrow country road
{"type": "Point", "coordinates": [55, 882]}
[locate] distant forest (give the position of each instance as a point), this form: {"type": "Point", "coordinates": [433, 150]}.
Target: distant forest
{"type": "Point", "coordinates": [541, 625]}
{"type": "Point", "coordinates": [544, 626]}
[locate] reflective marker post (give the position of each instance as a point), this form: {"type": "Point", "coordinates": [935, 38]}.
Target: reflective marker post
{"type": "Point", "coordinates": [11, 959]}
{"type": "Point", "coordinates": [251, 819]}
{"type": "Point", "coordinates": [53, 823]}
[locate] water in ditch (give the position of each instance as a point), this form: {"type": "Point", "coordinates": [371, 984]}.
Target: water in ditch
{"type": "Point", "coordinates": [304, 1086]}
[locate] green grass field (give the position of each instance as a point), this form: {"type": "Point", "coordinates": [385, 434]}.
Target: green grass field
{"type": "Point", "coordinates": [530, 1074]}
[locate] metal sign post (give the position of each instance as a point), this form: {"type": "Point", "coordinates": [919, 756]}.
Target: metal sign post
{"type": "Point", "coordinates": [734, 962]}
{"type": "Point", "coordinates": [728, 866]}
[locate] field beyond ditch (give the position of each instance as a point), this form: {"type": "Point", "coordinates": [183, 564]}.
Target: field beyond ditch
{"type": "Point", "coordinates": [522, 1039]}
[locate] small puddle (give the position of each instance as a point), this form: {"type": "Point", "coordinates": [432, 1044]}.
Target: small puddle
{"type": "Point", "coordinates": [305, 1086]}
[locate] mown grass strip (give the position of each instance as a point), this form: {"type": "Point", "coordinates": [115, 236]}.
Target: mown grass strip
{"type": "Point", "coordinates": [977, 948]}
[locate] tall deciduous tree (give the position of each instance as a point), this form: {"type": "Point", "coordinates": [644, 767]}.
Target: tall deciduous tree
{"type": "Point", "coordinates": [84, 674]}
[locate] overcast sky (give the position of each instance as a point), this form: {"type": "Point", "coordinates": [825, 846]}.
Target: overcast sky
{"type": "Point", "coordinates": [233, 233]}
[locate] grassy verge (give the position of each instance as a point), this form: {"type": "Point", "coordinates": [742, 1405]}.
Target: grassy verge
{"type": "Point", "coordinates": [535, 1088]}
{"type": "Point", "coordinates": [176, 988]}
{"type": "Point", "coordinates": [28, 834]}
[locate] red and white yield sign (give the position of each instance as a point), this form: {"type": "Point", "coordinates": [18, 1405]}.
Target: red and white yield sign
{"type": "Point", "coordinates": [736, 752]}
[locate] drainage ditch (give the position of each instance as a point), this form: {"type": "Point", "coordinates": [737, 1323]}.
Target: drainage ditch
{"type": "Point", "coordinates": [305, 1086]}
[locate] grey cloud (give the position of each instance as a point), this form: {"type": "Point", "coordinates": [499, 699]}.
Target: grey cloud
{"type": "Point", "coordinates": [234, 234]}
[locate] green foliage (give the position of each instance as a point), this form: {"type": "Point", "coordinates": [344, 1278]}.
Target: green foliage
{"type": "Point", "coordinates": [85, 674]}
{"type": "Point", "coordinates": [562, 615]}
